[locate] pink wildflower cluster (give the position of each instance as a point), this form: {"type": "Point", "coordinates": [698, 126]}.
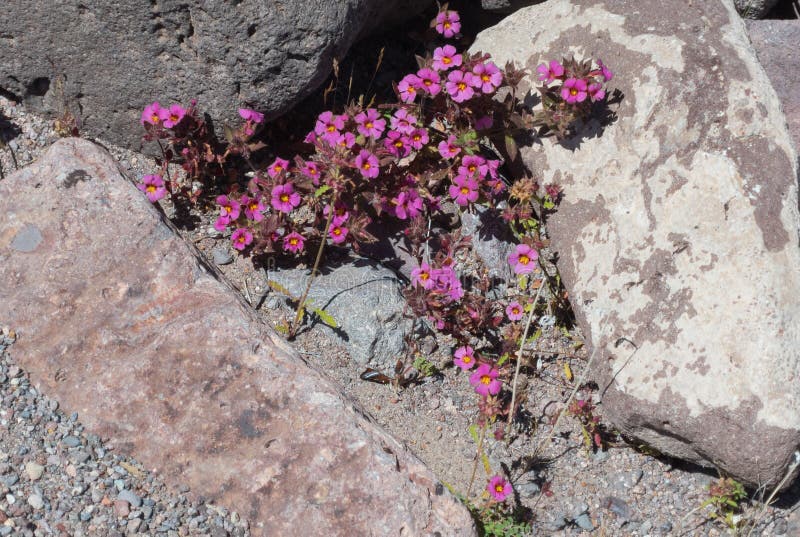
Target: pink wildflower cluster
{"type": "Point", "coordinates": [578, 81]}
{"type": "Point", "coordinates": [475, 175]}
{"type": "Point", "coordinates": [153, 114]}
{"type": "Point", "coordinates": [442, 281]}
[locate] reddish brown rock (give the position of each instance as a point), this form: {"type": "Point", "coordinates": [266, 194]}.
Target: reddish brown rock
{"type": "Point", "coordinates": [678, 233]}
{"type": "Point", "coordinates": [120, 321]}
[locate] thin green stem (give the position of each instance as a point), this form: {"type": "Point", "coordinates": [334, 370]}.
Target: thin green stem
{"type": "Point", "coordinates": [477, 459]}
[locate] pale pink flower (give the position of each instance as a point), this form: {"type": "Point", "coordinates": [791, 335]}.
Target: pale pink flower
{"type": "Point", "coordinates": [228, 208]}
{"type": "Point", "coordinates": [514, 311]}
{"type": "Point", "coordinates": [523, 259]}
{"type": "Point", "coordinates": [499, 488]}
{"type": "Point", "coordinates": [418, 138]}
{"type": "Point", "coordinates": [346, 140]}
{"type": "Point", "coordinates": [338, 234]}
{"type": "Point", "coordinates": [241, 238]}
{"type": "Point", "coordinates": [311, 169]}
{"type": "Point", "coordinates": [278, 166]}
{"type": "Point", "coordinates": [489, 76]}
{"type": "Point", "coordinates": [284, 198]}
{"type": "Point", "coordinates": [154, 114]}
{"type": "Point", "coordinates": [251, 115]}
{"type": "Point", "coordinates": [367, 164]}
{"type": "Point", "coordinates": [484, 379]}
{"type": "Point", "coordinates": [422, 276]}
{"type": "Point", "coordinates": [445, 58]}
{"type": "Point", "coordinates": [464, 190]}
{"type": "Point", "coordinates": [448, 148]}
{"type": "Point", "coordinates": [403, 121]}
{"type": "Point", "coordinates": [408, 88]}
{"type": "Point", "coordinates": [448, 23]}
{"type": "Point", "coordinates": [472, 165]}
{"type": "Point", "coordinates": [153, 187]}
{"type": "Point", "coordinates": [550, 72]}
{"type": "Point", "coordinates": [174, 115]}
{"type": "Point", "coordinates": [574, 90]}
{"type": "Point", "coordinates": [465, 358]}
{"type": "Point", "coordinates": [407, 204]}
{"type": "Point", "coordinates": [221, 223]}
{"type": "Point", "coordinates": [328, 124]}
{"type": "Point", "coordinates": [294, 242]}
{"type": "Point", "coordinates": [429, 81]}
{"type": "Point", "coordinates": [460, 85]}
{"type": "Point", "coordinates": [596, 92]}
{"type": "Point", "coordinates": [253, 208]}
{"type": "Point", "coordinates": [370, 124]}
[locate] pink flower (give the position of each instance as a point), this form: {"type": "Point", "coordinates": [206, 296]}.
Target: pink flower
{"type": "Point", "coordinates": [174, 116]}
{"type": "Point", "coordinates": [473, 164]}
{"type": "Point", "coordinates": [311, 169]}
{"type": "Point", "coordinates": [153, 187]}
{"type": "Point", "coordinates": [551, 71]}
{"type": "Point", "coordinates": [484, 122]}
{"type": "Point", "coordinates": [485, 380]}
{"type": "Point", "coordinates": [460, 85]}
{"type": "Point", "coordinates": [397, 144]}
{"type": "Point", "coordinates": [252, 208]}
{"type": "Point", "coordinates": [514, 311]}
{"type": "Point", "coordinates": [607, 74]}
{"type": "Point", "coordinates": [346, 140]}
{"type": "Point", "coordinates": [489, 76]}
{"type": "Point", "coordinates": [408, 88]}
{"type": "Point", "coordinates": [448, 148]}
{"type": "Point", "coordinates": [403, 122]}
{"type": "Point", "coordinates": [596, 92]}
{"type": "Point", "coordinates": [407, 204]}
{"type": "Point", "coordinates": [228, 208]}
{"type": "Point", "coordinates": [574, 90]}
{"type": "Point", "coordinates": [447, 282]}
{"type": "Point", "coordinates": [429, 81]}
{"type": "Point", "coordinates": [464, 190]}
{"type": "Point", "coordinates": [523, 259]}
{"type": "Point", "coordinates": [448, 23]}
{"type": "Point", "coordinates": [154, 114]}
{"type": "Point", "coordinates": [221, 224]}
{"type": "Point", "coordinates": [499, 489]}
{"type": "Point", "coordinates": [251, 115]}
{"type": "Point", "coordinates": [294, 242]}
{"type": "Point", "coordinates": [277, 167]}
{"type": "Point", "coordinates": [328, 124]}
{"type": "Point", "coordinates": [370, 123]}
{"type": "Point", "coordinates": [465, 358]}
{"type": "Point", "coordinates": [340, 214]}
{"type": "Point", "coordinates": [367, 164]}
{"type": "Point", "coordinates": [338, 234]}
{"type": "Point", "coordinates": [418, 138]}
{"type": "Point", "coordinates": [445, 58]}
{"type": "Point", "coordinates": [284, 198]}
{"type": "Point", "coordinates": [241, 238]}
{"type": "Point", "coordinates": [422, 276]}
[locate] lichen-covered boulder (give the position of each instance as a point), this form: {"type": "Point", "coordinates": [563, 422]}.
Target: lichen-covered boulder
{"type": "Point", "coordinates": [121, 321]}
{"type": "Point", "coordinates": [107, 60]}
{"type": "Point", "coordinates": [678, 233]}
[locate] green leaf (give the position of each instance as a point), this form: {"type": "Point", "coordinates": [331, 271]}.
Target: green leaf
{"type": "Point", "coordinates": [281, 289]}
{"type": "Point", "coordinates": [473, 432]}
{"type": "Point", "coordinates": [321, 190]}
{"type": "Point", "coordinates": [535, 336]}
{"type": "Point", "coordinates": [548, 204]}
{"type": "Point", "coordinates": [282, 328]}
{"type": "Point", "coordinates": [326, 317]}
{"type": "Point", "coordinates": [503, 359]}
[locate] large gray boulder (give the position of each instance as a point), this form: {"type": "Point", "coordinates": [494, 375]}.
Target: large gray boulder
{"type": "Point", "coordinates": [678, 233]}
{"type": "Point", "coordinates": [119, 320]}
{"type": "Point", "coordinates": [107, 60]}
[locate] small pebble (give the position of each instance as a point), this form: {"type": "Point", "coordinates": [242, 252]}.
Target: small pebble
{"type": "Point", "coordinates": [34, 471]}
{"type": "Point", "coordinates": [130, 497]}
{"type": "Point", "coordinates": [35, 501]}
{"type": "Point", "coordinates": [584, 522]}
{"type": "Point", "coordinates": [71, 441]}
{"type": "Point", "coordinates": [221, 256]}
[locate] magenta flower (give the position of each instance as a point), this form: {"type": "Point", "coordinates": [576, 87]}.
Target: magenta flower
{"type": "Point", "coordinates": [596, 92]}
{"type": "Point", "coordinates": [367, 164]}
{"type": "Point", "coordinates": [338, 234]}
{"type": "Point", "coordinates": [284, 198]}
{"type": "Point", "coordinates": [484, 122]}
{"type": "Point", "coordinates": [484, 379]}
{"type": "Point", "coordinates": [418, 138]}
{"type": "Point", "coordinates": [328, 124]}
{"type": "Point", "coordinates": [460, 85]}
{"type": "Point", "coordinates": [447, 282]}
{"type": "Point", "coordinates": [241, 238]}
{"type": "Point", "coordinates": [340, 214]}
{"type": "Point", "coordinates": [154, 114]}
{"type": "Point", "coordinates": [448, 148]}
{"type": "Point", "coordinates": [294, 242]}
{"type": "Point", "coordinates": [445, 58]}
{"type": "Point", "coordinates": [251, 115]}
{"type": "Point", "coordinates": [607, 74]}
{"type": "Point", "coordinates": [311, 169]}
{"type": "Point", "coordinates": [523, 259]}
{"type": "Point", "coordinates": [448, 23]}
{"type": "Point", "coordinates": [464, 190]}
{"type": "Point", "coordinates": [574, 90]}
{"type": "Point", "coordinates": [407, 204]}
{"type": "Point", "coordinates": [499, 488]}
{"type": "Point", "coordinates": [397, 144]}
{"type": "Point", "coordinates": [403, 121]}
{"type": "Point", "coordinates": [422, 276]}
{"type": "Point", "coordinates": [228, 208]}
{"type": "Point", "coordinates": [429, 81]}
{"type": "Point", "coordinates": [473, 164]}
{"type": "Point", "coordinates": [550, 72]}
{"type": "Point", "coordinates": [277, 167]}
{"type": "Point", "coordinates": [408, 88]}
{"type": "Point", "coordinates": [465, 358]}
{"type": "Point", "coordinates": [370, 123]}
{"type": "Point", "coordinates": [346, 140]}
{"type": "Point", "coordinates": [252, 208]}
{"type": "Point", "coordinates": [489, 76]}
{"type": "Point", "coordinates": [514, 311]}
{"type": "Point", "coordinates": [221, 224]}
{"type": "Point", "coordinates": [174, 115]}
{"type": "Point", "coordinates": [153, 187]}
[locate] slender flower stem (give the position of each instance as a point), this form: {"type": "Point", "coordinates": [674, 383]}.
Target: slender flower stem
{"type": "Point", "coordinates": [477, 459]}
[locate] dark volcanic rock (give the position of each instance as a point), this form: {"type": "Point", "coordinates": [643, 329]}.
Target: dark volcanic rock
{"type": "Point", "coordinates": [118, 319]}
{"type": "Point", "coordinates": [678, 233]}
{"type": "Point", "coordinates": [107, 60]}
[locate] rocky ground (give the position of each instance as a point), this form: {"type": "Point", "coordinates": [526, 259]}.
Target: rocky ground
{"type": "Point", "coordinates": [56, 478]}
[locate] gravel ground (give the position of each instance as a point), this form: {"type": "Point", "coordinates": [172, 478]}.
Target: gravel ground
{"type": "Point", "coordinates": [56, 479]}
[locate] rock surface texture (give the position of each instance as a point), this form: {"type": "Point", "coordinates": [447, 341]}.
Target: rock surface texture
{"type": "Point", "coordinates": [754, 9]}
{"type": "Point", "coordinates": [678, 234]}
{"type": "Point", "coordinates": [507, 6]}
{"type": "Point", "coordinates": [118, 319]}
{"type": "Point", "coordinates": [777, 44]}
{"type": "Point", "coordinates": [107, 60]}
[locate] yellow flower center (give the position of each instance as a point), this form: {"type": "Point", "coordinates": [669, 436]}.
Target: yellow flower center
{"type": "Point", "coordinates": [464, 190]}
{"type": "Point", "coordinates": [427, 81]}
{"type": "Point", "coordinates": [462, 86]}
{"type": "Point", "coordinates": [331, 128]}
{"type": "Point", "coordinates": [173, 117]}
{"type": "Point", "coordinates": [241, 239]}
{"type": "Point", "coordinates": [446, 25]}
{"type": "Point", "coordinates": [446, 60]}
{"type": "Point", "coordinates": [368, 124]}
{"type": "Point", "coordinates": [485, 77]}
{"type": "Point", "coordinates": [293, 241]}
{"type": "Point", "coordinates": [498, 488]}
{"type": "Point", "coordinates": [366, 166]}
{"type": "Point", "coordinates": [466, 359]}
{"type": "Point", "coordinates": [278, 168]}
{"type": "Point", "coordinates": [254, 206]}
{"type": "Point", "coordinates": [337, 231]}
{"type": "Point", "coordinates": [417, 137]}
{"type": "Point", "coordinates": [573, 91]}
{"type": "Point", "coordinates": [398, 144]}
{"type": "Point", "coordinates": [228, 209]}
{"type": "Point", "coordinates": [155, 119]}
{"type": "Point", "coordinates": [472, 168]}
{"type": "Point", "coordinates": [285, 198]}
{"type": "Point", "coordinates": [486, 379]}
{"type": "Point", "coordinates": [151, 188]}
{"type": "Point", "coordinates": [524, 259]}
